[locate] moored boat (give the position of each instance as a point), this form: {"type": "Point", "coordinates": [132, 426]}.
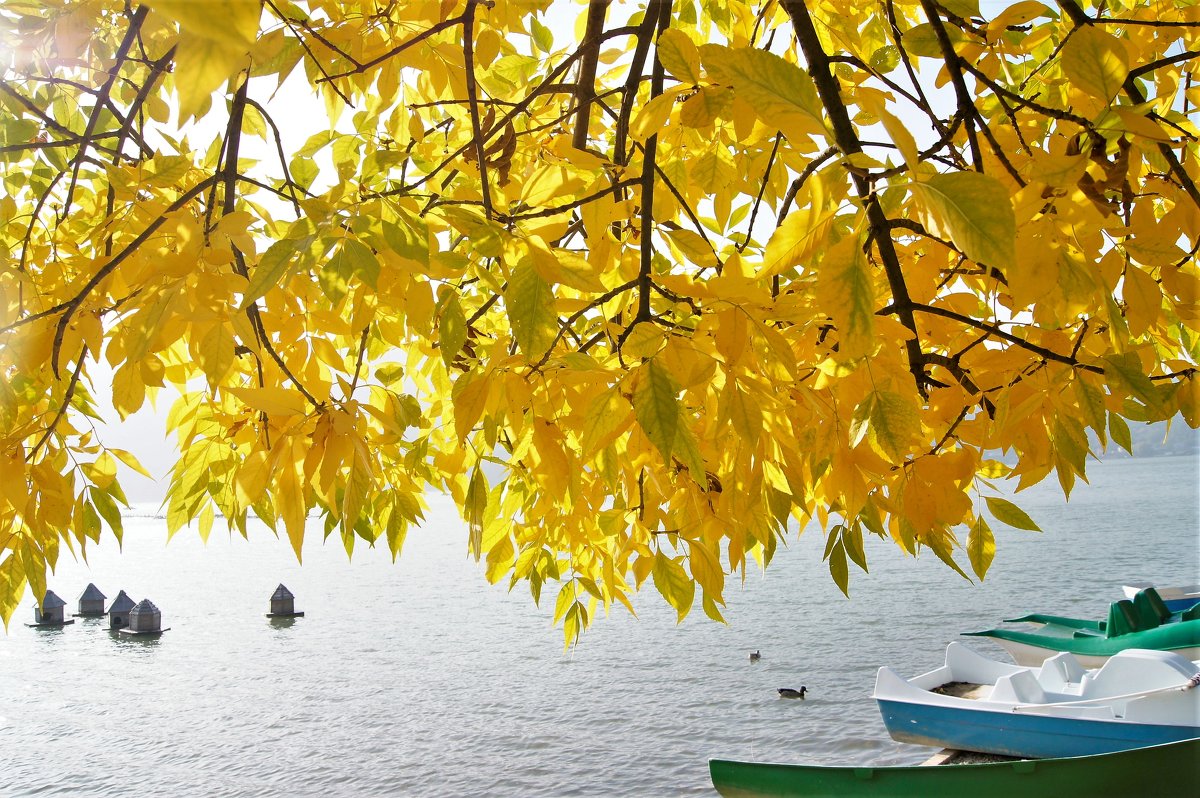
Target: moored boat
{"type": "Point", "coordinates": [1138, 698]}
{"type": "Point", "coordinates": [1143, 622]}
{"type": "Point", "coordinates": [1177, 599]}
{"type": "Point", "coordinates": [1173, 769]}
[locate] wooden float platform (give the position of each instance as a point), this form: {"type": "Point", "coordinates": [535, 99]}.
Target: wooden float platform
{"type": "Point", "coordinates": [285, 614]}
{"type": "Point", "coordinates": [54, 625]}
{"type": "Point", "coordinates": [124, 630]}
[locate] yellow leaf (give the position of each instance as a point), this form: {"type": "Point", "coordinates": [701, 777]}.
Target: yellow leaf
{"type": "Point", "coordinates": [102, 472]}
{"type": "Point", "coordinates": [846, 291]}
{"type": "Point", "coordinates": [705, 106]}
{"type": "Point", "coordinates": [252, 478]}
{"type": "Point", "coordinates": [202, 66]}
{"type": "Point", "coordinates": [291, 505]}
{"type": "Point", "coordinates": [981, 547]}
{"type": "Point", "coordinates": [706, 568]}
{"type": "Point", "coordinates": [900, 135]}
{"type": "Point", "coordinates": [565, 267]}
{"type": "Point", "coordinates": [1143, 300]}
{"type": "Point", "coordinates": [679, 56]}
{"type": "Point", "coordinates": [693, 246]}
{"type": "Point", "coordinates": [234, 22]}
{"type": "Point", "coordinates": [470, 396]}
{"type": "Point", "coordinates": [895, 425]}
{"type": "Point", "coordinates": [272, 400]}
{"type": "Point", "coordinates": [529, 301]}
{"type": "Point", "coordinates": [804, 233]}
{"type": "Point", "coordinates": [1010, 514]}
{"type": "Point", "coordinates": [644, 340]}
{"type": "Point", "coordinates": [1059, 171]}
{"type": "Point", "coordinates": [1016, 14]}
{"type": "Point", "coordinates": [130, 461]}
{"type": "Point", "coordinates": [217, 353]}
{"type": "Point", "coordinates": [782, 94]}
{"type": "Point", "coordinates": [653, 115]}
{"type": "Point", "coordinates": [543, 185]}
{"type": "Point", "coordinates": [744, 412]}
{"type": "Point", "coordinates": [1143, 126]}
{"type": "Point", "coordinates": [607, 416]}
{"type": "Point", "coordinates": [673, 583]}
{"type": "Point", "coordinates": [1095, 62]}
{"type": "Point", "coordinates": [972, 210]}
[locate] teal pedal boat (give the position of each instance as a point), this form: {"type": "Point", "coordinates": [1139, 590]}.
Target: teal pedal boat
{"type": "Point", "coordinates": [1144, 622]}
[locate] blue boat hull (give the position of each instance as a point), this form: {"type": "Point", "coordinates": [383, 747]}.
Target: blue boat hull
{"type": "Point", "coordinates": [1023, 735]}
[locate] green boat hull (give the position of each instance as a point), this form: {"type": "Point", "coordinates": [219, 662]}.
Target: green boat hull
{"type": "Point", "coordinates": [1167, 770]}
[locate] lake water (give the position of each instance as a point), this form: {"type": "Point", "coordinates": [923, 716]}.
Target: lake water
{"type": "Point", "coordinates": [420, 679]}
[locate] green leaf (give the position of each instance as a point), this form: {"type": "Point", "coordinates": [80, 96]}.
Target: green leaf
{"type": "Point", "coordinates": [974, 211]}
{"type": "Point", "coordinates": [543, 37]}
{"type": "Point", "coordinates": [607, 415]}
{"type": "Point", "coordinates": [108, 510]}
{"type": "Point", "coordinates": [474, 509]}
{"type": "Point", "coordinates": [452, 329]}
{"type": "Point", "coordinates": [355, 258]}
{"type": "Point", "coordinates": [981, 547]}
{"type": "Point", "coordinates": [838, 568]}
{"type": "Point", "coordinates": [674, 584]}
{"type": "Point", "coordinates": [656, 406]}
{"type": "Point", "coordinates": [529, 301]}
{"type": "Point", "coordinates": [922, 40]}
{"type": "Point", "coordinates": [408, 237]}
{"type": "Point", "coordinates": [1124, 371]}
{"type": "Point", "coordinates": [1120, 432]}
{"type": "Point", "coordinates": [1009, 513]}
{"type": "Point", "coordinates": [272, 266]}
{"type": "Point", "coordinates": [895, 425]}
{"type": "Point", "coordinates": [1095, 62]}
{"type": "Point", "coordinates": [846, 291]}
{"type": "Point", "coordinates": [852, 539]}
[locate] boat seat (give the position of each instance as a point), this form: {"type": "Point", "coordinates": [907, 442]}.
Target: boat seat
{"type": "Point", "coordinates": [1059, 671]}
{"type": "Point", "coordinates": [1019, 688]}
{"type": "Point", "coordinates": [1150, 605]}
{"type": "Point", "coordinates": [1122, 619]}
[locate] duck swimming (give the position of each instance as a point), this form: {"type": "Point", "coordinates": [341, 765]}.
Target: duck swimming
{"type": "Point", "coordinates": [787, 692]}
{"type": "Point", "coordinates": [755, 656]}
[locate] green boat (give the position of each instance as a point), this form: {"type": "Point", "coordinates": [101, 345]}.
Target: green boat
{"type": "Point", "coordinates": [1161, 770]}
{"type": "Point", "coordinates": [1144, 622]}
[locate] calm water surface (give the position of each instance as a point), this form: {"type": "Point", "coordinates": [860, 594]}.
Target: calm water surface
{"type": "Point", "coordinates": [418, 678]}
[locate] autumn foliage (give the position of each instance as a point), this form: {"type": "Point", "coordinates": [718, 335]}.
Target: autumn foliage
{"type": "Point", "coordinates": [642, 299]}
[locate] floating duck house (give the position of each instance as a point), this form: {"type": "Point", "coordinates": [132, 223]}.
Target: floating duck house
{"type": "Point", "coordinates": [283, 604]}
{"type": "Point", "coordinates": [118, 611]}
{"type": "Point", "coordinates": [144, 619]}
{"type": "Point", "coordinates": [91, 602]}
{"type": "Point", "coordinates": [50, 611]}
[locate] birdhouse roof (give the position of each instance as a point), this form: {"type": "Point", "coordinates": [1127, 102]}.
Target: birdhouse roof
{"type": "Point", "coordinates": [122, 603]}
{"type": "Point", "coordinates": [51, 601]}
{"type": "Point", "coordinates": [92, 593]}
{"type": "Point", "coordinates": [281, 592]}
{"type": "Point", "coordinates": [144, 607]}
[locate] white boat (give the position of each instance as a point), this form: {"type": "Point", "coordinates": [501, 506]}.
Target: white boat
{"type": "Point", "coordinates": [1137, 698]}
{"type": "Point", "coordinates": [1176, 598]}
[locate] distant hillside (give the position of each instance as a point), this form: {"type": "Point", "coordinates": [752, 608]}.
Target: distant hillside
{"type": "Point", "coordinates": [1155, 440]}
